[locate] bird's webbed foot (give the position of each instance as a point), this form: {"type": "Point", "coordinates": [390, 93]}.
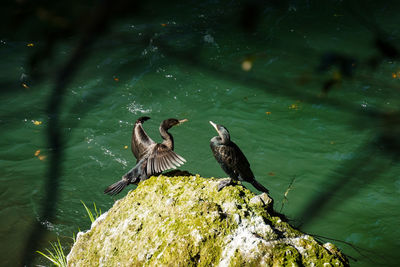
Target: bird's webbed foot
{"type": "Point", "coordinates": [225, 182]}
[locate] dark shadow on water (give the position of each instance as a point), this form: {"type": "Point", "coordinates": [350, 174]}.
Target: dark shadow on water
{"type": "Point", "coordinates": [368, 164]}
{"type": "Point", "coordinates": [54, 135]}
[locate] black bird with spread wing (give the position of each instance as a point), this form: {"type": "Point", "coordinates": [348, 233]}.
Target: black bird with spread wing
{"type": "Point", "coordinates": [232, 159]}
{"type": "Point", "coordinates": [152, 157]}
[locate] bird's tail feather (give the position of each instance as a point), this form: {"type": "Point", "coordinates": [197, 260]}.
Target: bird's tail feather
{"type": "Point", "coordinates": [116, 188]}
{"type": "Point", "coordinates": [259, 186]}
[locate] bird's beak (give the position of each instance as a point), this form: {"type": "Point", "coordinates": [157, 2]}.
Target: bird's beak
{"type": "Point", "coordinates": [214, 125]}
{"type": "Point", "coordinates": [182, 121]}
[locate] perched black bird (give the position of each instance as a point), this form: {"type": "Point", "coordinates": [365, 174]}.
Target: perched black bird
{"type": "Point", "coordinates": [152, 158]}
{"type": "Point", "coordinates": [231, 159]}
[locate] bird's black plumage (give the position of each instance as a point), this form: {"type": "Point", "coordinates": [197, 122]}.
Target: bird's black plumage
{"type": "Point", "coordinates": [152, 157]}
{"type": "Point", "coordinates": [231, 158]}
{"type": "Point", "coordinates": [140, 140]}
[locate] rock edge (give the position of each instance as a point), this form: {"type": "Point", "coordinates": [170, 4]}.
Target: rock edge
{"type": "Point", "coordinates": [184, 221]}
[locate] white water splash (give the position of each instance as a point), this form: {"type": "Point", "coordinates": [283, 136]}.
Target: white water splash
{"type": "Point", "coordinates": [136, 108]}
{"type": "Point", "coordinates": [109, 153]}
{"type": "Point", "coordinates": [208, 38]}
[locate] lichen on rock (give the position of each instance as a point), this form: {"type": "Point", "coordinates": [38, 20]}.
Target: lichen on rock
{"type": "Point", "coordinates": [185, 221]}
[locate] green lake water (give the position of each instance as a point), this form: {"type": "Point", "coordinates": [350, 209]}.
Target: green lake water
{"type": "Point", "coordinates": [188, 63]}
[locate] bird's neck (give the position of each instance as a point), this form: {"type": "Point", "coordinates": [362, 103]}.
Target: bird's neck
{"type": "Point", "coordinates": [168, 139]}
{"type": "Point", "coordinates": [225, 138]}
{"type": "Point", "coordinates": [218, 140]}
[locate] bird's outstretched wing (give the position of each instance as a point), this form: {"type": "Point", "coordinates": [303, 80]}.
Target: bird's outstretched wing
{"type": "Point", "coordinates": [140, 141]}
{"type": "Point", "coordinates": [162, 158]}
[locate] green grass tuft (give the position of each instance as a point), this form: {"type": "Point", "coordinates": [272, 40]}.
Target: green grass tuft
{"type": "Point", "coordinates": [90, 213]}
{"type": "Point", "coordinates": [57, 256]}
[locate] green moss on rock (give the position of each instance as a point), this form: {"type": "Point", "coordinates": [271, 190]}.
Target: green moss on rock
{"type": "Point", "coordinates": [185, 221]}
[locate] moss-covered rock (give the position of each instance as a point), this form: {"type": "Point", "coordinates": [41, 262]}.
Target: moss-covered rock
{"type": "Point", "coordinates": [184, 221]}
